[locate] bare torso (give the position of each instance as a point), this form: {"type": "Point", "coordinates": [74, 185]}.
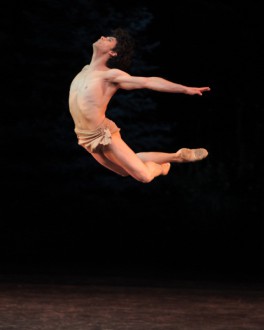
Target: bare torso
{"type": "Point", "coordinates": [90, 93]}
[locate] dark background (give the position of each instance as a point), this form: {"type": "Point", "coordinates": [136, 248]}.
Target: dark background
{"type": "Point", "coordinates": [61, 210]}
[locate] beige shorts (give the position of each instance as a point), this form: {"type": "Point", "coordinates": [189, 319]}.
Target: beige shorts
{"type": "Point", "coordinates": [101, 136]}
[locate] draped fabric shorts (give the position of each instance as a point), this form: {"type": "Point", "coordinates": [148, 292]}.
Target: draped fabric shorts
{"type": "Point", "coordinates": [101, 136]}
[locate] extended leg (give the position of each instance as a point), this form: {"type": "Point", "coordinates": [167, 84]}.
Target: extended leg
{"type": "Point", "coordinates": [183, 155]}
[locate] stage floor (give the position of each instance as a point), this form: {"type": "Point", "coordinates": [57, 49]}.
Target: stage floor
{"type": "Point", "coordinates": [116, 303]}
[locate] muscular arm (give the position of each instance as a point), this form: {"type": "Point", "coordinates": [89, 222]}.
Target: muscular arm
{"type": "Point", "coordinates": [128, 82]}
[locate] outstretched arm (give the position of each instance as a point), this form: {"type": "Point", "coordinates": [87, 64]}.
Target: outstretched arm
{"type": "Point", "coordinates": [128, 82]}
{"type": "Point", "coordinates": [163, 85]}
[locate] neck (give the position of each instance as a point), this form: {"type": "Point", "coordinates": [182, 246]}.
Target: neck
{"type": "Point", "coordinates": [99, 61]}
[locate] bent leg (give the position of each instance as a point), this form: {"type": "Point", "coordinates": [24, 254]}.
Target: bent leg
{"type": "Point", "coordinates": [123, 160]}
{"type": "Point", "coordinates": [100, 157]}
{"type": "Point", "coordinates": [143, 166]}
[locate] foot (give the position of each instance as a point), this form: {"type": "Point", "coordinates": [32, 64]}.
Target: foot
{"type": "Point", "coordinates": [165, 168]}
{"type": "Point", "coordinates": [191, 155]}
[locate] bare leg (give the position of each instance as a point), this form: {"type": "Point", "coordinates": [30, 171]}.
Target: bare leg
{"type": "Point", "coordinates": [100, 157]}
{"type": "Point", "coordinates": [121, 159]}
{"type": "Point", "coordinates": [144, 166]}
{"type": "Point", "coordinates": [183, 155]}
{"type": "Point", "coordinates": [153, 168]}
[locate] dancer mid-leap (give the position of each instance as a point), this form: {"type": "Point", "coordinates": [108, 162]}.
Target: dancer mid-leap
{"type": "Point", "coordinates": [90, 92]}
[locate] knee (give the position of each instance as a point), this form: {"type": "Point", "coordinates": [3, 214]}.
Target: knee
{"type": "Point", "coordinates": [144, 177]}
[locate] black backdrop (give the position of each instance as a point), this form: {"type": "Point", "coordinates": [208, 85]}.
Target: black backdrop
{"type": "Point", "coordinates": [61, 209]}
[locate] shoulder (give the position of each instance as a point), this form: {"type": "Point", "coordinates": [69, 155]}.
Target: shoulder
{"type": "Point", "coordinates": [114, 73]}
{"type": "Point", "coordinates": [86, 67]}
{"type": "Point", "coordinates": [80, 73]}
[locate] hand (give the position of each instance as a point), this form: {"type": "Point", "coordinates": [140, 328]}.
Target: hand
{"type": "Point", "coordinates": [197, 90]}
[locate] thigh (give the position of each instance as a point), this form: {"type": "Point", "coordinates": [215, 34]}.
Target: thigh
{"type": "Point", "coordinates": [118, 152]}
{"type": "Point", "coordinates": [103, 160]}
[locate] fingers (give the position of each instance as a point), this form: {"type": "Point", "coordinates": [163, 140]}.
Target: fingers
{"type": "Point", "coordinates": [200, 90]}
{"type": "Point", "coordinates": [204, 89]}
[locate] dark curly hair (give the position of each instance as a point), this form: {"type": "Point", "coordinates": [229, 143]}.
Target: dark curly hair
{"type": "Point", "coordinates": [124, 49]}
